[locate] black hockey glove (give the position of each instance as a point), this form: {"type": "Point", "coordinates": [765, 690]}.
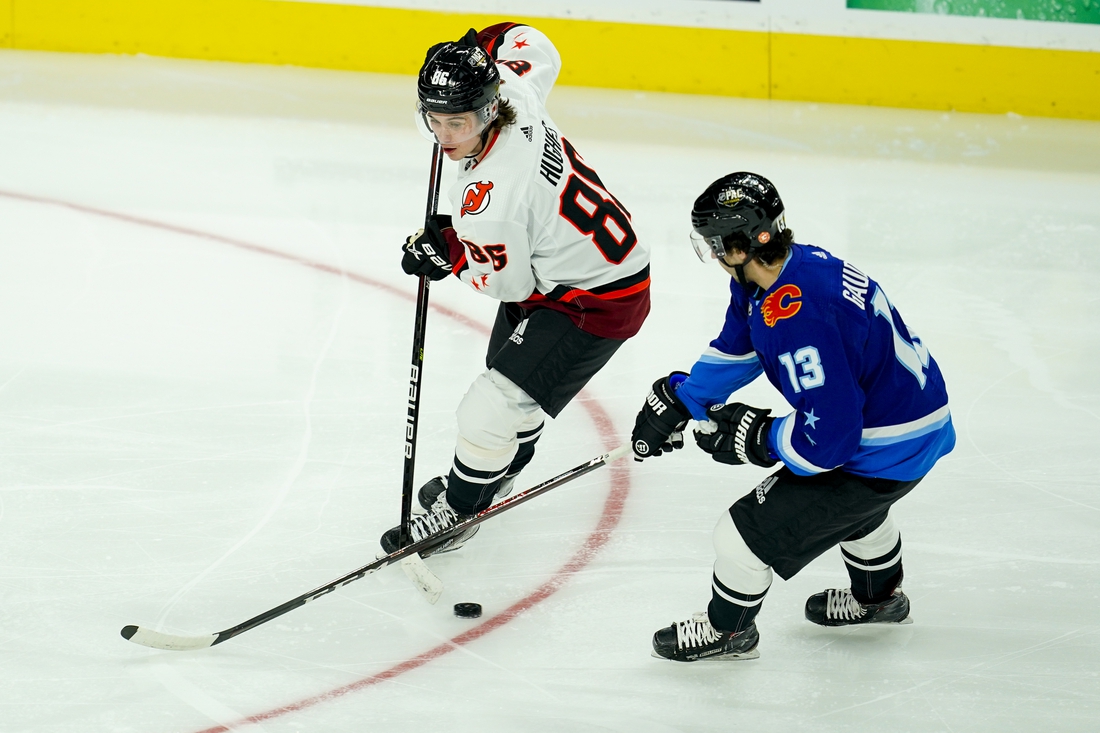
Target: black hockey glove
{"type": "Point", "coordinates": [738, 434]}
{"type": "Point", "coordinates": [660, 423]}
{"type": "Point", "coordinates": [426, 252]}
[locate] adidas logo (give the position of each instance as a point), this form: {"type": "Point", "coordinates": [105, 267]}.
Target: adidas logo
{"type": "Point", "coordinates": [763, 489]}
{"type": "Point", "coordinates": [527, 131]}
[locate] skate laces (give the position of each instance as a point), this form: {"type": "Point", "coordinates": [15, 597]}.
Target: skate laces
{"type": "Point", "coordinates": [841, 604]}
{"type": "Point", "coordinates": [695, 632]}
{"type": "Point", "coordinates": [440, 518]}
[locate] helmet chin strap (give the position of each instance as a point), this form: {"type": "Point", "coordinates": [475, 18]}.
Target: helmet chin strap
{"type": "Point", "coordinates": [484, 139]}
{"type": "Point", "coordinates": [739, 269]}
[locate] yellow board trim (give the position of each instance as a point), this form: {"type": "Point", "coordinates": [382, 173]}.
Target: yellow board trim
{"type": "Point", "coordinates": [925, 75]}
{"type": "Point", "coordinates": [911, 74]}
{"type": "Point", "coordinates": [5, 23]}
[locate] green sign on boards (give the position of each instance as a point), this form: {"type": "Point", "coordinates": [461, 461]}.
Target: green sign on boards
{"type": "Point", "coordinates": [1058, 11]}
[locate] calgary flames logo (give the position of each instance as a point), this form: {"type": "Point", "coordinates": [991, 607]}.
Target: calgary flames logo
{"type": "Point", "coordinates": [783, 303]}
{"type": "Point", "coordinates": [475, 198]}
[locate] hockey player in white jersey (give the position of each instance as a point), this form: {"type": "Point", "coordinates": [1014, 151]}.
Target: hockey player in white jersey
{"type": "Point", "coordinates": [534, 227]}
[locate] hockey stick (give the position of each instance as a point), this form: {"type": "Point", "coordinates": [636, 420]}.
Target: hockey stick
{"type": "Point", "coordinates": [413, 565]}
{"type": "Point", "coordinates": [412, 420]}
{"type": "Point", "coordinates": [176, 642]}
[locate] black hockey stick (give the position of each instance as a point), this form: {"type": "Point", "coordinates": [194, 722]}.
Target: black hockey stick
{"type": "Point", "coordinates": [175, 642]}
{"type": "Point", "coordinates": [412, 420]}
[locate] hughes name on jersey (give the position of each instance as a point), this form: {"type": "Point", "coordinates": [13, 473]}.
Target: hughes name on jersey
{"type": "Point", "coordinates": [537, 225]}
{"type": "Point", "coordinates": [867, 395]}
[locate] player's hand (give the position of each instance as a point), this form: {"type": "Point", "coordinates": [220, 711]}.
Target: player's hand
{"type": "Point", "coordinates": [736, 434]}
{"type": "Point", "coordinates": [660, 423]}
{"type": "Point", "coordinates": [425, 253]}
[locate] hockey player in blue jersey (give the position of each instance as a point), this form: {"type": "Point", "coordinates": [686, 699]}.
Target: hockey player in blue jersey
{"type": "Point", "coordinates": [870, 420]}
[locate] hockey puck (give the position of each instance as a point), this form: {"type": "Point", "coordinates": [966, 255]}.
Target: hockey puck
{"type": "Point", "coordinates": [468, 610]}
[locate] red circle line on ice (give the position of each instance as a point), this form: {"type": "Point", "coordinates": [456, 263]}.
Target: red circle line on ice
{"type": "Point", "coordinates": [608, 520]}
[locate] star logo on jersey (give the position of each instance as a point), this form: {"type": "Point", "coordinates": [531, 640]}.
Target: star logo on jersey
{"type": "Point", "coordinates": [475, 198]}
{"type": "Point", "coordinates": [811, 419]}
{"type": "Point", "coordinates": [783, 303]}
{"type": "Point", "coordinates": [480, 281]}
{"type": "Point", "coordinates": [520, 43]}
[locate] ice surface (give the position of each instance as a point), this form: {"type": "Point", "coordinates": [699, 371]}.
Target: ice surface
{"type": "Point", "coordinates": [204, 345]}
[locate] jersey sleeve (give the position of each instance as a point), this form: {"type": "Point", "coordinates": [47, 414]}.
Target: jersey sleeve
{"type": "Point", "coordinates": [818, 380]}
{"type": "Point", "coordinates": [729, 363]}
{"type": "Point", "coordinates": [496, 260]}
{"type": "Point", "coordinates": [526, 51]}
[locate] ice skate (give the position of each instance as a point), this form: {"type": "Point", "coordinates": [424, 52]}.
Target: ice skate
{"type": "Point", "coordinates": [696, 640]}
{"type": "Point", "coordinates": [840, 608]}
{"type": "Point", "coordinates": [429, 493]}
{"type": "Point", "coordinates": [506, 487]}
{"type": "Point", "coordinates": [437, 520]}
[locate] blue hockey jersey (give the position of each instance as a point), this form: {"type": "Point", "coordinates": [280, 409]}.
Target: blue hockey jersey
{"type": "Point", "coordinates": [868, 397]}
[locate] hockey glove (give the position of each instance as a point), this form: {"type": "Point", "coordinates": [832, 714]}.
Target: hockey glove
{"type": "Point", "coordinates": [426, 252]}
{"type": "Point", "coordinates": [660, 423]}
{"type": "Point", "coordinates": [736, 434]}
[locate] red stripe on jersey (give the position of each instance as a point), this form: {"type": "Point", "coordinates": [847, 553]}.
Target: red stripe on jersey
{"type": "Point", "coordinates": [618, 314]}
{"type": "Point", "coordinates": [613, 295]}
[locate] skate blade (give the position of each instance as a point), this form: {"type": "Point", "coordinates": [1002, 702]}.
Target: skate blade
{"type": "Point", "coordinates": [751, 654]}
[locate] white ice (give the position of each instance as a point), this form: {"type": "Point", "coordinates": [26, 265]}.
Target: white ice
{"type": "Point", "coordinates": [204, 345]}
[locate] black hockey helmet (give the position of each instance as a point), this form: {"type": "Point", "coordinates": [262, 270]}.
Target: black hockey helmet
{"type": "Point", "coordinates": [741, 210]}
{"type": "Point", "coordinates": [457, 76]}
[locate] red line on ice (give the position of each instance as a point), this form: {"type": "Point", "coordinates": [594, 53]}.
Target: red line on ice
{"type": "Point", "coordinates": [609, 518]}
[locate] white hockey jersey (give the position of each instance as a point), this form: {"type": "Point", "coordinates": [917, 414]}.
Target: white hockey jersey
{"type": "Point", "coordinates": [537, 225]}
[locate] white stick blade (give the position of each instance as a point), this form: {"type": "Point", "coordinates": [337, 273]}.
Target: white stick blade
{"type": "Point", "coordinates": [171, 642]}
{"type": "Point", "coordinates": [425, 580]}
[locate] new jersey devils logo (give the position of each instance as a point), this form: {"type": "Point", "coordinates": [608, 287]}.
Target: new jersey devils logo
{"type": "Point", "coordinates": [475, 197]}
{"type": "Point", "coordinates": [781, 304]}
